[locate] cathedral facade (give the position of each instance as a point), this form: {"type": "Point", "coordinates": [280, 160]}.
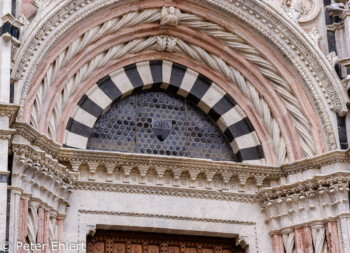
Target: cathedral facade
{"type": "Point", "coordinates": [175, 126]}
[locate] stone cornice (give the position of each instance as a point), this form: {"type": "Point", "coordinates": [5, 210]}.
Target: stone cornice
{"type": "Point", "coordinates": [33, 157]}
{"type": "Point", "coordinates": [337, 156]}
{"type": "Point", "coordinates": [339, 180]}
{"type": "Point", "coordinates": [67, 154]}
{"type": "Point", "coordinates": [9, 110]}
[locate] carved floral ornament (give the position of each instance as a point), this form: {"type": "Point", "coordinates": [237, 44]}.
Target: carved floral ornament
{"type": "Point", "coordinates": [301, 11]}
{"type": "Point", "coordinates": [38, 46]}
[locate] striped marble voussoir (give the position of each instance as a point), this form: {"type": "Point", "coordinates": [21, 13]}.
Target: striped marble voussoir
{"type": "Point", "coordinates": [174, 78]}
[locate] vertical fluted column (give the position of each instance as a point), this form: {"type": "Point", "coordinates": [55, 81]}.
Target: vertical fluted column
{"type": "Point", "coordinates": [33, 207]}
{"type": "Point", "coordinates": [288, 240]}
{"type": "Point", "coordinates": [319, 237]}
{"type": "Point", "coordinates": [303, 240]}
{"type": "Point", "coordinates": [332, 237]}
{"type": "Point", "coordinates": [277, 243]}
{"type": "Point", "coordinates": [346, 19]}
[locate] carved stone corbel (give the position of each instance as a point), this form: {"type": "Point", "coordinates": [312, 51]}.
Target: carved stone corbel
{"type": "Point", "coordinates": [226, 176]}
{"type": "Point", "coordinates": [75, 165]}
{"type": "Point", "coordinates": [160, 174]}
{"type": "Point", "coordinates": [242, 181]}
{"type": "Point", "coordinates": [92, 170]}
{"type": "Point", "coordinates": [127, 171]}
{"type": "Point", "coordinates": [210, 175]}
{"type": "Point", "coordinates": [193, 177]}
{"type": "Point", "coordinates": [143, 172]}
{"type": "Point", "coordinates": [177, 174]}
{"type": "Point", "coordinates": [109, 171]}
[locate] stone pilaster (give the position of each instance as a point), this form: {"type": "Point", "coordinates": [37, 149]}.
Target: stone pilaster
{"type": "Point", "coordinates": [16, 208]}
{"type": "Point", "coordinates": [5, 68]}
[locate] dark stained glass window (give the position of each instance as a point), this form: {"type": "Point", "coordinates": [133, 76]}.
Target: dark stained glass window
{"type": "Point", "coordinates": [158, 123]}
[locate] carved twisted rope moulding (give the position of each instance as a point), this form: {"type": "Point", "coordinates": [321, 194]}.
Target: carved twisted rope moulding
{"type": "Point", "coordinates": [162, 43]}
{"type": "Point", "coordinates": [194, 22]}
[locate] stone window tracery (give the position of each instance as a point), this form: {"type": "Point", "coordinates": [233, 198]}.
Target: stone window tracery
{"type": "Point", "coordinates": [130, 125]}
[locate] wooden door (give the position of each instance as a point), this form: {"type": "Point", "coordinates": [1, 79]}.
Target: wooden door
{"type": "Point", "coordinates": [139, 242]}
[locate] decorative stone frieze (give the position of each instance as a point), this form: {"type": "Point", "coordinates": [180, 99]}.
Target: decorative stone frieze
{"type": "Point", "coordinates": [80, 156]}
{"type": "Point", "coordinates": [41, 177]}
{"type": "Point", "coordinates": [148, 176]}
{"type": "Point", "coordinates": [44, 187]}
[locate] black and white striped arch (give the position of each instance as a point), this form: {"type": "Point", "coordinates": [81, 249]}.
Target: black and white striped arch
{"type": "Point", "coordinates": [175, 78]}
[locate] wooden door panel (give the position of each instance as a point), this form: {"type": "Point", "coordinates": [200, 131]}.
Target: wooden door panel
{"type": "Point", "coordinates": [191, 250]}
{"type": "Point", "coordinates": [118, 248]}
{"type": "Point", "coordinates": [137, 242]}
{"type": "Point", "coordinates": [99, 247]}
{"type": "Point", "coordinates": [136, 248]}
{"type": "Point", "coordinates": [173, 249]}
{"type": "Point", "coordinates": [153, 248]}
{"type": "Point", "coordinates": [207, 250]}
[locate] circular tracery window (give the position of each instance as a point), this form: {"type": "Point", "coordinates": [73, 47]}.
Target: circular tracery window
{"type": "Point", "coordinates": [161, 124]}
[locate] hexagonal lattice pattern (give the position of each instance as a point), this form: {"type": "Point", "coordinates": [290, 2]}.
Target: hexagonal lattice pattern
{"type": "Point", "coordinates": [127, 127]}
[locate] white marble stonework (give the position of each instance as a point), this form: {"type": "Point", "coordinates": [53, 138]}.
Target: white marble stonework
{"type": "Point", "coordinates": [273, 74]}
{"type": "Point", "coordinates": [166, 214]}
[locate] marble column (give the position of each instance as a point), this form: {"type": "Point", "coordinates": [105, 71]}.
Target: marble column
{"type": "Point", "coordinates": [346, 18]}
{"type": "Point", "coordinates": [46, 233]}
{"type": "Point", "coordinates": [23, 221]}
{"type": "Point", "coordinates": [16, 215]}
{"type": "Point", "coordinates": [319, 237]}
{"type": "Point", "coordinates": [288, 240]}
{"type": "Point", "coordinates": [277, 243]}
{"type": "Point", "coordinates": [59, 226]}
{"type": "Point", "coordinates": [303, 240]}
{"type": "Point", "coordinates": [332, 237]}
{"type": "Point", "coordinates": [5, 68]}
{"type": "Point", "coordinates": [41, 222]}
